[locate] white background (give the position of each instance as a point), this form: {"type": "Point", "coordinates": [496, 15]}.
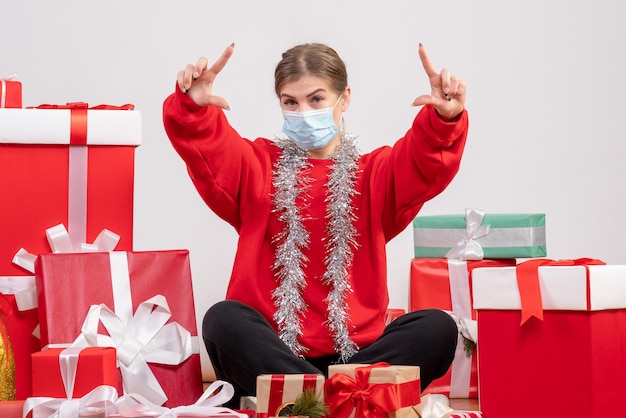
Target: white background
{"type": "Point", "coordinates": [545, 94]}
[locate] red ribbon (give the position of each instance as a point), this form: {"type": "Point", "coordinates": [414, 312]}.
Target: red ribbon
{"type": "Point", "coordinates": [345, 394]}
{"type": "Point", "coordinates": [528, 283]}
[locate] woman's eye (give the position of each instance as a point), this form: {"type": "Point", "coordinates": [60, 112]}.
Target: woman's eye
{"type": "Point", "coordinates": [289, 102]}
{"type": "Point", "coordinates": [317, 99]}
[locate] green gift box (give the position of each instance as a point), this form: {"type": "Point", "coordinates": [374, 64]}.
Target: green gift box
{"type": "Point", "coordinates": [478, 235]}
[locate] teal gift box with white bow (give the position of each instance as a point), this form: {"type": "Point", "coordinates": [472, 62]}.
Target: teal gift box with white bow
{"type": "Point", "coordinates": [477, 235]}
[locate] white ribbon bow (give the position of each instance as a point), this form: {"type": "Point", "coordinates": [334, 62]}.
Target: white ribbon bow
{"type": "Point", "coordinates": [60, 242]}
{"type": "Point", "coordinates": [468, 248]}
{"type": "Point", "coordinates": [135, 405]}
{"type": "Point", "coordinates": [145, 338]}
{"type": "Point", "coordinates": [102, 398]}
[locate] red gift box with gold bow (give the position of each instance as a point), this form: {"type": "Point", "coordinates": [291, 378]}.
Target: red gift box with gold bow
{"type": "Point", "coordinates": [372, 390]}
{"type": "Point", "coordinates": [556, 327]}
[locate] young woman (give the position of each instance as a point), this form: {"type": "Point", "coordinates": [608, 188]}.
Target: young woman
{"type": "Point", "coordinates": [308, 287]}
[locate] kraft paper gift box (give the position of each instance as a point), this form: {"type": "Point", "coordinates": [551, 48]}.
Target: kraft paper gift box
{"type": "Point", "coordinates": [446, 284]}
{"type": "Point", "coordinates": [93, 367]}
{"type": "Point", "coordinates": [10, 92]}
{"type": "Point", "coordinates": [138, 301]}
{"type": "Point", "coordinates": [391, 389]}
{"type": "Point", "coordinates": [494, 235]}
{"type": "Point", "coordinates": [572, 362]}
{"type": "Point", "coordinates": [275, 391]}
{"type": "Point", "coordinates": [74, 167]}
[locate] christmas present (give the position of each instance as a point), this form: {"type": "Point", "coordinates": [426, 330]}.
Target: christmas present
{"type": "Point", "coordinates": [141, 303]}
{"type": "Point", "coordinates": [477, 235]}
{"type": "Point", "coordinates": [207, 406]}
{"type": "Point", "coordinates": [10, 92]}
{"type": "Point", "coordinates": [90, 367]}
{"type": "Point", "coordinates": [555, 327]}
{"type": "Point", "coordinates": [357, 390]}
{"type": "Point", "coordinates": [274, 392]}
{"type": "Point", "coordinates": [446, 284]}
{"type": "Point", "coordinates": [11, 409]}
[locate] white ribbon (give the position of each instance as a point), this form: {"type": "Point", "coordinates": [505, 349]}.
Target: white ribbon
{"type": "Point", "coordinates": [135, 405]}
{"type": "Point", "coordinates": [23, 288]}
{"type": "Point", "coordinates": [145, 338]}
{"type": "Point", "coordinates": [60, 242]}
{"type": "Point", "coordinates": [468, 248]}
{"type": "Point", "coordinates": [3, 89]}
{"type": "Point", "coordinates": [101, 399]}
{"type": "Point", "coordinates": [461, 368]}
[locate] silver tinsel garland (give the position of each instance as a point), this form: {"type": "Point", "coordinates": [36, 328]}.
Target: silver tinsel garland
{"type": "Point", "coordinates": [291, 178]}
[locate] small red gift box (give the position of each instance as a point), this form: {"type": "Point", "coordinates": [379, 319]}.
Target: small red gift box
{"type": "Point", "coordinates": [94, 366]}
{"type": "Point", "coordinates": [570, 362]}
{"type": "Point", "coordinates": [10, 92]}
{"type": "Point", "coordinates": [146, 299]}
{"type": "Point", "coordinates": [446, 284]}
{"type": "Point", "coordinates": [273, 391]}
{"type": "Point", "coordinates": [357, 390]}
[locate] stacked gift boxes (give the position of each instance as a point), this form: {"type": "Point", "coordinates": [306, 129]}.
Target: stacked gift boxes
{"type": "Point", "coordinates": [70, 277]}
{"type": "Point", "coordinates": [448, 249]}
{"type": "Point", "coordinates": [58, 167]}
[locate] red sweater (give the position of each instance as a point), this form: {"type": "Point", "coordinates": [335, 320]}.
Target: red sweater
{"type": "Point", "coordinates": [234, 177]}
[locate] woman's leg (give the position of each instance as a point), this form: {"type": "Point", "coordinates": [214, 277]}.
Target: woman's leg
{"type": "Point", "coordinates": [425, 338]}
{"type": "Point", "coordinates": [242, 345]}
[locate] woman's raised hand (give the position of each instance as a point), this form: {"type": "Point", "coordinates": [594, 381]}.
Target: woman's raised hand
{"type": "Point", "coordinates": [197, 80]}
{"type": "Point", "coordinates": [447, 92]}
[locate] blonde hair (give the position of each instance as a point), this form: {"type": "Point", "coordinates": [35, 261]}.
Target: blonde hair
{"type": "Point", "coordinates": [311, 59]}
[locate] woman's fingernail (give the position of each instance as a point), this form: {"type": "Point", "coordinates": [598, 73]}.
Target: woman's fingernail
{"type": "Point", "coordinates": [195, 75]}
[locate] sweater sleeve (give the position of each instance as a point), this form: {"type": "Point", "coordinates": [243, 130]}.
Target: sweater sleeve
{"type": "Point", "coordinates": [221, 164]}
{"type": "Point", "coordinates": [419, 167]}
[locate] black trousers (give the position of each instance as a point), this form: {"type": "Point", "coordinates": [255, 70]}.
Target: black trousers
{"type": "Point", "coordinates": [242, 345]}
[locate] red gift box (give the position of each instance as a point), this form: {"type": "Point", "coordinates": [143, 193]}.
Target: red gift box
{"type": "Point", "coordinates": [49, 180]}
{"type": "Point", "coordinates": [94, 366]}
{"type": "Point", "coordinates": [446, 284]}
{"type": "Point", "coordinates": [10, 92]}
{"type": "Point", "coordinates": [570, 363]}
{"type": "Point", "coordinates": [128, 284]}
{"type": "Point", "coordinates": [273, 391]}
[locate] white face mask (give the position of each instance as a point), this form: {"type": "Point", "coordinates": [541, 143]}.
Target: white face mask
{"type": "Point", "coordinates": [313, 129]}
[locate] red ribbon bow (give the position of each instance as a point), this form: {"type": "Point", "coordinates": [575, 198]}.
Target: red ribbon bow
{"type": "Point", "coordinates": [345, 394]}
{"type": "Point", "coordinates": [528, 283]}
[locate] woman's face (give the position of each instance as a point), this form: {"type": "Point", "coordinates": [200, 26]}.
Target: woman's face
{"type": "Point", "coordinates": [311, 93]}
